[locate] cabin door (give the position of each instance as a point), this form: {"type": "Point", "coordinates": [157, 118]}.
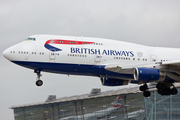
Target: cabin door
{"type": "Point", "coordinates": [153, 58]}
{"type": "Point", "coordinates": [97, 58]}
{"type": "Point", "coordinates": [52, 54]}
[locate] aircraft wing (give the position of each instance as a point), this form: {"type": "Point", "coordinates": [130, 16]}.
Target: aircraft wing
{"type": "Point", "coordinates": [175, 63]}
{"type": "Point", "coordinates": [127, 68]}
{"type": "Point", "coordinates": [172, 68]}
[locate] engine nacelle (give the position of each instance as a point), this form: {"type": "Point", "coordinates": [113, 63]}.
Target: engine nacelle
{"type": "Point", "coordinates": [148, 74]}
{"type": "Point", "coordinates": [113, 82]}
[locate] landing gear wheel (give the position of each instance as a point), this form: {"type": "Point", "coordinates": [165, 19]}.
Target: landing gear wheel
{"type": "Point", "coordinates": [146, 94]}
{"type": "Point", "coordinates": [159, 86]}
{"type": "Point", "coordinates": [143, 87]}
{"type": "Point", "coordinates": [160, 91]}
{"type": "Point", "coordinates": [174, 91]}
{"type": "Point", "coordinates": [165, 88]}
{"type": "Point", "coordinates": [167, 91]}
{"type": "Point", "coordinates": [39, 82]}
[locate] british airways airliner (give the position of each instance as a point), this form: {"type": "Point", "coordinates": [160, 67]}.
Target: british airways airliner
{"type": "Point", "coordinates": [115, 62]}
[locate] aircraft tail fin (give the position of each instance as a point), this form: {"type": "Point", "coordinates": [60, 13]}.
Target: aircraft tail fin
{"type": "Point", "coordinates": [117, 102]}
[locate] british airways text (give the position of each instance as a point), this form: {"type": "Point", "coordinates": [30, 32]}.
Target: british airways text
{"type": "Point", "coordinates": [102, 52]}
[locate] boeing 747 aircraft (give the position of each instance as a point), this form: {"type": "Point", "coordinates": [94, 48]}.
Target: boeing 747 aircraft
{"type": "Point", "coordinates": [115, 62]}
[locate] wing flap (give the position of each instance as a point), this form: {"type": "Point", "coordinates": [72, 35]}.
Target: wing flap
{"type": "Point", "coordinates": [175, 62]}
{"type": "Point", "coordinates": [128, 69]}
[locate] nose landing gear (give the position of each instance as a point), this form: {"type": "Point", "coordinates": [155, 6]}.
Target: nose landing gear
{"type": "Point", "coordinates": [38, 81]}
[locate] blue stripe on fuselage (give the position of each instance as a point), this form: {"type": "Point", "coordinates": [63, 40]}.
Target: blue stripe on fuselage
{"type": "Point", "coordinates": [75, 69]}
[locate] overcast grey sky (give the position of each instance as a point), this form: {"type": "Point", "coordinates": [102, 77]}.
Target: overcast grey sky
{"type": "Point", "coordinates": [155, 23]}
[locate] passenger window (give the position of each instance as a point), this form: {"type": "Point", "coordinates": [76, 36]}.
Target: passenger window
{"type": "Point", "coordinates": [31, 39]}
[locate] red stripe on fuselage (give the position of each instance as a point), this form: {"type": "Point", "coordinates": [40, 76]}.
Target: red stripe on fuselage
{"type": "Point", "coordinates": [68, 42]}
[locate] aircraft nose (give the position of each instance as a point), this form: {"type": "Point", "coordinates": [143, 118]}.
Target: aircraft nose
{"type": "Point", "coordinates": [6, 54]}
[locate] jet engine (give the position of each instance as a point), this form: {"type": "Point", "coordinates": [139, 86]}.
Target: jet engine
{"type": "Point", "coordinates": [148, 74]}
{"type": "Point", "coordinates": [113, 81]}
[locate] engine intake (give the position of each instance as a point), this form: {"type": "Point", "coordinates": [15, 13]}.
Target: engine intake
{"type": "Point", "coordinates": [113, 81]}
{"type": "Point", "coordinates": [148, 74]}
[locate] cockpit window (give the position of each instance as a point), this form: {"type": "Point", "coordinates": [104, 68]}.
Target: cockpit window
{"type": "Point", "coordinates": [31, 39]}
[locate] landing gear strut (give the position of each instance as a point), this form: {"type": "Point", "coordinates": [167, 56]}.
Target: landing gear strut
{"type": "Point", "coordinates": [38, 81]}
{"type": "Point", "coordinates": [145, 90]}
{"type": "Point", "coordinates": [166, 88]}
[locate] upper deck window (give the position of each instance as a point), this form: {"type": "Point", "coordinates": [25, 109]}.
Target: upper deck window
{"type": "Point", "coordinates": [31, 39]}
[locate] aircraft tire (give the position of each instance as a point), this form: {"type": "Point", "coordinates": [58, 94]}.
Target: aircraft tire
{"type": "Point", "coordinates": [146, 94]}
{"type": "Point", "coordinates": [39, 82]}
{"type": "Point", "coordinates": [166, 91]}
{"type": "Point", "coordinates": [174, 91]}
{"type": "Point", "coordinates": [160, 91]}
{"type": "Point", "coordinates": [143, 87]}
{"type": "Point", "coordinates": [159, 86]}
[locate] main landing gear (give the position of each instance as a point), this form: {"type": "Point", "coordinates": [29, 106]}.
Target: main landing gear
{"type": "Point", "coordinates": [38, 81]}
{"type": "Point", "coordinates": [163, 88]}
{"type": "Point", "coordinates": [166, 88]}
{"type": "Point", "coordinates": [144, 89]}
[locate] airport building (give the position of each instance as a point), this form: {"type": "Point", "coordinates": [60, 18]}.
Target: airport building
{"type": "Point", "coordinates": [122, 104]}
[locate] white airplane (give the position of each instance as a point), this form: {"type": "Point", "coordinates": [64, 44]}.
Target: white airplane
{"type": "Point", "coordinates": [116, 105]}
{"type": "Point", "coordinates": [116, 63]}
